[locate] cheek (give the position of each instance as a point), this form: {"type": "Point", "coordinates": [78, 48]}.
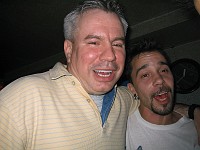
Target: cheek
{"type": "Point", "coordinates": [87, 56]}
{"type": "Point", "coordinates": [120, 56]}
{"type": "Point", "coordinates": [142, 91]}
{"type": "Point", "coordinates": [170, 81]}
{"type": "Point", "coordinates": [143, 86]}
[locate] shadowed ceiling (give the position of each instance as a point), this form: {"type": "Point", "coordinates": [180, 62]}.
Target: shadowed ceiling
{"type": "Point", "coordinates": [32, 30]}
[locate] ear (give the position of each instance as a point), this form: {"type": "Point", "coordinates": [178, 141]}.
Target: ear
{"type": "Point", "coordinates": [68, 50]}
{"type": "Point", "coordinates": [131, 88]}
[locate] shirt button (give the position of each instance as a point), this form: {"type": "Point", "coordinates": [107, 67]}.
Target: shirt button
{"type": "Point", "coordinates": [73, 83]}
{"type": "Point", "coordinates": [88, 100]}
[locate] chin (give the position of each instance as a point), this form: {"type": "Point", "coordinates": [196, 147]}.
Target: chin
{"type": "Point", "coordinates": [105, 89]}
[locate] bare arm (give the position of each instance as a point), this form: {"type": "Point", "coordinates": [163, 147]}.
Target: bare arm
{"type": "Point", "coordinates": [182, 109]}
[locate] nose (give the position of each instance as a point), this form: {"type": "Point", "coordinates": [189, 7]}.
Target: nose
{"type": "Point", "coordinates": [108, 54]}
{"type": "Point", "coordinates": [158, 80]}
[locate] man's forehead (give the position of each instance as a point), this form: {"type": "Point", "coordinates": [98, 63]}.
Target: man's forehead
{"type": "Point", "coordinates": [148, 58]}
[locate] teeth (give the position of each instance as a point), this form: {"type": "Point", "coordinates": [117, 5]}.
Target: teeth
{"type": "Point", "coordinates": [101, 75]}
{"type": "Point", "coordinates": [161, 96]}
{"type": "Point", "coordinates": [106, 73]}
{"type": "Point", "coordinates": [162, 93]}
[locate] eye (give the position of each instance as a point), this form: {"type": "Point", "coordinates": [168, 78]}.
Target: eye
{"type": "Point", "coordinates": [165, 70]}
{"type": "Point", "coordinates": [92, 43]}
{"type": "Point", "coordinates": [145, 75]}
{"type": "Point", "coordinates": [118, 45]}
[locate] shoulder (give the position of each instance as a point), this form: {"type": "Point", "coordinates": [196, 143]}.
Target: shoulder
{"type": "Point", "coordinates": [30, 80]}
{"type": "Point", "coordinates": [24, 86]}
{"type": "Point", "coordinates": [127, 96]}
{"type": "Point", "coordinates": [123, 90]}
{"type": "Point", "coordinates": [124, 93]}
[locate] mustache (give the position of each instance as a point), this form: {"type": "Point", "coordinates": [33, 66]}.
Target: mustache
{"type": "Point", "coordinates": [106, 64]}
{"type": "Point", "coordinates": [162, 89]}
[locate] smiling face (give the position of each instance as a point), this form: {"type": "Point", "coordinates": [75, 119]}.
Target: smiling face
{"type": "Point", "coordinates": [97, 54]}
{"type": "Point", "coordinates": [153, 83]}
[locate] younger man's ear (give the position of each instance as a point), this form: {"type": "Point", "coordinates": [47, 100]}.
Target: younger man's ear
{"type": "Point", "coordinates": [68, 50]}
{"type": "Point", "coordinates": [131, 88]}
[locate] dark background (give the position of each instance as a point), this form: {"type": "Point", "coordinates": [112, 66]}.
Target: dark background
{"type": "Point", "coordinates": [31, 31]}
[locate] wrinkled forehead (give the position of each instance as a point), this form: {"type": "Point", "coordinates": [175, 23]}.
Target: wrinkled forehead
{"type": "Point", "coordinates": [102, 24]}
{"type": "Point", "coordinates": [100, 16]}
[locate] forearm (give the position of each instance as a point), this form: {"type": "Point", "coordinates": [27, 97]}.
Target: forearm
{"type": "Point", "coordinates": [181, 109]}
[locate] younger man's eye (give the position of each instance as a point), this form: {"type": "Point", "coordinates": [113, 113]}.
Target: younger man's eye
{"type": "Point", "coordinates": [165, 70]}
{"type": "Point", "coordinates": [145, 75]}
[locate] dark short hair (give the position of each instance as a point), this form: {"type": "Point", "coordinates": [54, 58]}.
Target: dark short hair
{"type": "Point", "coordinates": [146, 45]}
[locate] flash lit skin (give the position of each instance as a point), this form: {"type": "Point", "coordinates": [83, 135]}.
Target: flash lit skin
{"type": "Point", "coordinates": [197, 5]}
{"type": "Point", "coordinates": [97, 55]}
{"type": "Point", "coordinates": [153, 83]}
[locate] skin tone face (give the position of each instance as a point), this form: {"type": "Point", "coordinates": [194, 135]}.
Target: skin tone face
{"type": "Point", "coordinates": [97, 55]}
{"type": "Point", "coordinates": [153, 83]}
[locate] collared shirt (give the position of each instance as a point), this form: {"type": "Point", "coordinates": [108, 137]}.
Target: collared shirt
{"type": "Point", "coordinates": [51, 110]}
{"type": "Point", "coordinates": [104, 103]}
{"type": "Point", "coordinates": [108, 101]}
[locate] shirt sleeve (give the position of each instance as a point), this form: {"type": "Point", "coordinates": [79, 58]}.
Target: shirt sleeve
{"type": "Point", "coordinates": [9, 135]}
{"type": "Point", "coordinates": [134, 105]}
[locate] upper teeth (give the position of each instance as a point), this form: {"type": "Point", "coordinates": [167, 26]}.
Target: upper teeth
{"type": "Point", "coordinates": [103, 71]}
{"type": "Point", "coordinates": [162, 93]}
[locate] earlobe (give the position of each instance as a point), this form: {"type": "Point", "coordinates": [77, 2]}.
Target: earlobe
{"type": "Point", "coordinates": [131, 88]}
{"type": "Point", "coordinates": [68, 50]}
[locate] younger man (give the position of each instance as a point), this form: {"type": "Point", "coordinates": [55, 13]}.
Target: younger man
{"type": "Point", "coordinates": [154, 125]}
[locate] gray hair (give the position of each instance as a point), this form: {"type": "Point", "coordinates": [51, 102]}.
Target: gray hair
{"type": "Point", "coordinates": [70, 21]}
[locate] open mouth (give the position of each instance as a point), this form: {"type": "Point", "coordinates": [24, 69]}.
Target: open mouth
{"type": "Point", "coordinates": [103, 73]}
{"type": "Point", "coordinates": [161, 96]}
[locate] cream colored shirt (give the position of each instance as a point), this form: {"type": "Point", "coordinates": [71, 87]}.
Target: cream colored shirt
{"type": "Point", "coordinates": [51, 110]}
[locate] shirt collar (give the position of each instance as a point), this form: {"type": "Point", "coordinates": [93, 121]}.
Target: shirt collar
{"type": "Point", "coordinates": [58, 71]}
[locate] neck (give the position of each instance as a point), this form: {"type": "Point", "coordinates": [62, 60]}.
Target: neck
{"type": "Point", "coordinates": [154, 118]}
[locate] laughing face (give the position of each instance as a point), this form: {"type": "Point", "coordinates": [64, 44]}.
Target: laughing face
{"type": "Point", "coordinates": [153, 82]}
{"type": "Point", "coordinates": [97, 54]}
